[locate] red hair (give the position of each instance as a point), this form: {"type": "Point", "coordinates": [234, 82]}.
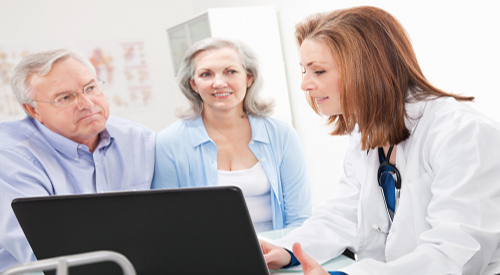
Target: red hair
{"type": "Point", "coordinates": [379, 72]}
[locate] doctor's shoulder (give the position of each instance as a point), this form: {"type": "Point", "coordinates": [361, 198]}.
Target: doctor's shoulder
{"type": "Point", "coordinates": [448, 114]}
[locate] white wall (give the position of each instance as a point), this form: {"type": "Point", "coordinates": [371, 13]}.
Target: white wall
{"type": "Point", "coordinates": [457, 44]}
{"type": "Point", "coordinates": [61, 23]}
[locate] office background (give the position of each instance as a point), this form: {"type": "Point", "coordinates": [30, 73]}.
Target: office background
{"type": "Point", "coordinates": [457, 44]}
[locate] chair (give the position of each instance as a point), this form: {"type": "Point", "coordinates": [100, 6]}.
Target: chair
{"type": "Point", "coordinates": [61, 264]}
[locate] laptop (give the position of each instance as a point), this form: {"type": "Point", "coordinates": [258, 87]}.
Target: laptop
{"type": "Point", "coordinates": [204, 230]}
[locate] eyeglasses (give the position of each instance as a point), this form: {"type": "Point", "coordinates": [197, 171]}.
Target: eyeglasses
{"type": "Point", "coordinates": [389, 180]}
{"type": "Point", "coordinates": [70, 99]}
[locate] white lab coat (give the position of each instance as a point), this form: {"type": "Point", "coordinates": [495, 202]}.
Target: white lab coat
{"type": "Point", "coordinates": [448, 215]}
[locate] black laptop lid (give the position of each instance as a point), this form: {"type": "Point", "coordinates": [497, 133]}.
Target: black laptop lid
{"type": "Point", "coordinates": [204, 230]}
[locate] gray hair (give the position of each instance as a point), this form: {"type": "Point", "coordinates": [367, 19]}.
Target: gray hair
{"type": "Point", "coordinates": [40, 63]}
{"type": "Point", "coordinates": [252, 104]}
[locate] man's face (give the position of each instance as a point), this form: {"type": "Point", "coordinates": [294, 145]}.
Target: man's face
{"type": "Point", "coordinates": [80, 122]}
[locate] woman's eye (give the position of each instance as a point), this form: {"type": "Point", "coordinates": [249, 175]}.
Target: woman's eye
{"type": "Point", "coordinates": [231, 71]}
{"type": "Point", "coordinates": [204, 74]}
{"type": "Point", "coordinates": [320, 72]}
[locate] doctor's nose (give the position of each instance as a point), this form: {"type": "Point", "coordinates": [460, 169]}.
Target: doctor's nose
{"type": "Point", "coordinates": [306, 84]}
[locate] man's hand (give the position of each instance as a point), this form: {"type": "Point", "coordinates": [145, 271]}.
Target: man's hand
{"type": "Point", "coordinates": [276, 257]}
{"type": "Point", "coordinates": [309, 265]}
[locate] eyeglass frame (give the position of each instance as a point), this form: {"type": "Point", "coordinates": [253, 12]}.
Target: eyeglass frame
{"type": "Point", "coordinates": [397, 182]}
{"type": "Point", "coordinates": [100, 84]}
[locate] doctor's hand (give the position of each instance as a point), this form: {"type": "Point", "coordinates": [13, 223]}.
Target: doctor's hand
{"type": "Point", "coordinates": [276, 257]}
{"type": "Point", "coordinates": [309, 265]}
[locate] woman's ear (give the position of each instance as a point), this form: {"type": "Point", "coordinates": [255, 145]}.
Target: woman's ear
{"type": "Point", "coordinates": [193, 85]}
{"type": "Point", "coordinates": [249, 80]}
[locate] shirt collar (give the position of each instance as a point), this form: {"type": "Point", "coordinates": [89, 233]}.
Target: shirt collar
{"type": "Point", "coordinates": [198, 132]}
{"type": "Point", "coordinates": [200, 136]}
{"type": "Point", "coordinates": [259, 129]}
{"type": "Point", "coordinates": [67, 146]}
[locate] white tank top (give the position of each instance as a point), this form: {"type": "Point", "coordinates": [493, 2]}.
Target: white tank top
{"type": "Point", "coordinates": [256, 189]}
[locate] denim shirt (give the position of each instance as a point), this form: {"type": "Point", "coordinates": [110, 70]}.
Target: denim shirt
{"type": "Point", "coordinates": [187, 157]}
{"type": "Point", "coordinates": [34, 161]}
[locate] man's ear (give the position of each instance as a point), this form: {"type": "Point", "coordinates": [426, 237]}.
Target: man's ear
{"type": "Point", "coordinates": [193, 85]}
{"type": "Point", "coordinates": [33, 112]}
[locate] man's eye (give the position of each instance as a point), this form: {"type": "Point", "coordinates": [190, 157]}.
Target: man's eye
{"type": "Point", "coordinates": [63, 98]}
{"type": "Point", "coordinates": [90, 89]}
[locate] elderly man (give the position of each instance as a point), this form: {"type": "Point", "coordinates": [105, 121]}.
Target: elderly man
{"type": "Point", "coordinates": [67, 145]}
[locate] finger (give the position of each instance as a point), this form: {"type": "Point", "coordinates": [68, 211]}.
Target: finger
{"type": "Point", "coordinates": [307, 262]}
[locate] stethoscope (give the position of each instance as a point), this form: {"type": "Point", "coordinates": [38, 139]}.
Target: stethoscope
{"type": "Point", "coordinates": [397, 183]}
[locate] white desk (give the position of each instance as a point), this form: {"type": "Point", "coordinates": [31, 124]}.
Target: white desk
{"type": "Point", "coordinates": [332, 265]}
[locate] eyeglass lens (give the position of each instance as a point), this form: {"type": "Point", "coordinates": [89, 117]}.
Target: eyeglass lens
{"type": "Point", "coordinates": [67, 99]}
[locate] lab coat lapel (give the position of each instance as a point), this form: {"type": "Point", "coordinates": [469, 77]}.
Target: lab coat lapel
{"type": "Point", "coordinates": [371, 212]}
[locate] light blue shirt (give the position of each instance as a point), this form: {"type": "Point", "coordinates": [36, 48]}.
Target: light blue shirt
{"type": "Point", "coordinates": [35, 161]}
{"type": "Point", "coordinates": [187, 157]}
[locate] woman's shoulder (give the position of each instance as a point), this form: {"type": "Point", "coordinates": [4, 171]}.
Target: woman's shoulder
{"type": "Point", "coordinates": [448, 111]}
{"type": "Point", "coordinates": [275, 125]}
{"type": "Point", "coordinates": [175, 132]}
{"type": "Point", "coordinates": [446, 118]}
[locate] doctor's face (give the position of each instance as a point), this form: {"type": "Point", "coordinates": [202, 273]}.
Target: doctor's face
{"type": "Point", "coordinates": [220, 79]}
{"type": "Point", "coordinates": [81, 121]}
{"type": "Point", "coordinates": [321, 76]}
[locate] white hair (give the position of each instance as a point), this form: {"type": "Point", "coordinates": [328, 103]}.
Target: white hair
{"type": "Point", "coordinates": [40, 63]}
{"type": "Point", "coordinates": [252, 104]}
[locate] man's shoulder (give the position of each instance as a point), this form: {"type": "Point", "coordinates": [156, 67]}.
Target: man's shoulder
{"type": "Point", "coordinates": [118, 126]}
{"type": "Point", "coordinates": [13, 132]}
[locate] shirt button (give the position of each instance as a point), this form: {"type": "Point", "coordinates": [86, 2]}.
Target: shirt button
{"type": "Point", "coordinates": [251, 142]}
{"type": "Point", "coordinates": [79, 146]}
{"type": "Point", "coordinates": [96, 163]}
{"type": "Point", "coordinates": [263, 159]}
{"type": "Point", "coordinates": [273, 181]}
{"type": "Point", "coordinates": [76, 158]}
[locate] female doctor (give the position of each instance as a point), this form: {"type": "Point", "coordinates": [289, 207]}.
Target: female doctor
{"type": "Point", "coordinates": [434, 206]}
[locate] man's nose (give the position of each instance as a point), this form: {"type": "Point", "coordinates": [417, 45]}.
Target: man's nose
{"type": "Point", "coordinates": [83, 101]}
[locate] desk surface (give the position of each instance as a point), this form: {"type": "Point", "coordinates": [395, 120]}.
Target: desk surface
{"type": "Point", "coordinates": [332, 265]}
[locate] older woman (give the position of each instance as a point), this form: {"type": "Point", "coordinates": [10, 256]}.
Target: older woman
{"type": "Point", "coordinates": [420, 188]}
{"type": "Point", "coordinates": [228, 138]}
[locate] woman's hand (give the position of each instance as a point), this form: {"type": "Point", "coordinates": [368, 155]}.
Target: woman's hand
{"type": "Point", "coordinates": [309, 265]}
{"type": "Point", "coordinates": [276, 257]}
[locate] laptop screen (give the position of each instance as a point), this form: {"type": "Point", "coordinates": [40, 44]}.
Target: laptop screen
{"type": "Point", "coordinates": [204, 230]}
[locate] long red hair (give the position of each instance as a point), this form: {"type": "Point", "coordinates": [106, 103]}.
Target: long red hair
{"type": "Point", "coordinates": [379, 72]}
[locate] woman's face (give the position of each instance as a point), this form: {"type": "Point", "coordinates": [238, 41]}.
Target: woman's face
{"type": "Point", "coordinates": [321, 76]}
{"type": "Point", "coordinates": [220, 79]}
